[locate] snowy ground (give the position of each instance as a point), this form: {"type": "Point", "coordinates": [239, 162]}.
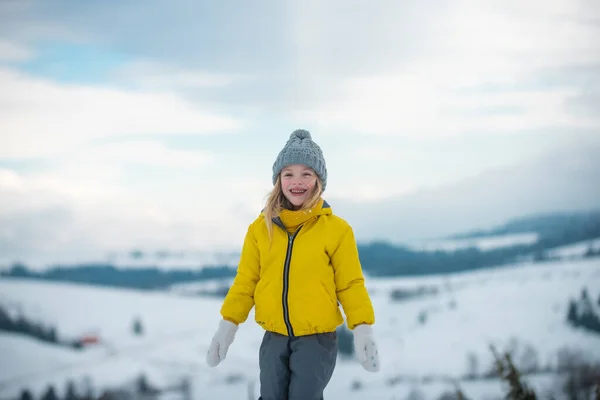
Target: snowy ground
{"type": "Point", "coordinates": [525, 304]}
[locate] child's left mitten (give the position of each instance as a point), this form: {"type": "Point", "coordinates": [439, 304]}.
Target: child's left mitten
{"type": "Point", "coordinates": [366, 348]}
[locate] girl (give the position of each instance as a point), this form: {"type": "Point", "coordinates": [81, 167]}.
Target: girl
{"type": "Point", "coordinates": [299, 261]}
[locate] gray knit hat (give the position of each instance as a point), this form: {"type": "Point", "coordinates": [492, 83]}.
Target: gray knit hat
{"type": "Point", "coordinates": [300, 149]}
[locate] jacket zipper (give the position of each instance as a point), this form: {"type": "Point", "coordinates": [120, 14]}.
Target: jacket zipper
{"type": "Point", "coordinates": [286, 280]}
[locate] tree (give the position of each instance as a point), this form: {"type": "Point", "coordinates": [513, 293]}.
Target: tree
{"type": "Point", "coordinates": [50, 394]}
{"type": "Point", "coordinates": [70, 393]}
{"type": "Point", "coordinates": [138, 329]}
{"type": "Point", "coordinates": [572, 316]}
{"type": "Point", "coordinates": [26, 395]}
{"type": "Point", "coordinates": [5, 319]}
{"type": "Point", "coordinates": [517, 390]}
{"type": "Point", "coordinates": [590, 321]}
{"type": "Point", "coordinates": [584, 294]}
{"type": "Point", "coordinates": [87, 387]}
{"type": "Point", "coordinates": [472, 366]}
{"type": "Point", "coordinates": [142, 384]}
{"type": "Point", "coordinates": [51, 334]}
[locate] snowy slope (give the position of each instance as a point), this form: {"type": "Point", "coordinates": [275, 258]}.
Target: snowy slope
{"type": "Point", "coordinates": [574, 250]}
{"type": "Point", "coordinates": [526, 303]}
{"type": "Point", "coordinates": [172, 260]}
{"type": "Point", "coordinates": [481, 243]}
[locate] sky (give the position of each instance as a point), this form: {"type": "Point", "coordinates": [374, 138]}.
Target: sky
{"type": "Point", "coordinates": [127, 126]}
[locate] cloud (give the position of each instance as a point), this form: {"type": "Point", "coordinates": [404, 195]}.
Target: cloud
{"type": "Point", "coordinates": [10, 51]}
{"type": "Point", "coordinates": [162, 76]}
{"type": "Point", "coordinates": [41, 118]}
{"type": "Point", "coordinates": [482, 67]}
{"type": "Point", "coordinates": [44, 215]}
{"type": "Point", "coordinates": [141, 152]}
{"type": "Point", "coordinates": [411, 106]}
{"type": "Point", "coordinates": [374, 68]}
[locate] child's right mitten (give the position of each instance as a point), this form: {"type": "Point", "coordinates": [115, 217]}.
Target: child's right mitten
{"type": "Point", "coordinates": [220, 343]}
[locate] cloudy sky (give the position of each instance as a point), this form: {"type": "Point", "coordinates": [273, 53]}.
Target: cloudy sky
{"type": "Point", "coordinates": [155, 125]}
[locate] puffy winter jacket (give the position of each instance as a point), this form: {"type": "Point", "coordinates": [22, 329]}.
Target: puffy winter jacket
{"type": "Point", "coordinates": [297, 282]}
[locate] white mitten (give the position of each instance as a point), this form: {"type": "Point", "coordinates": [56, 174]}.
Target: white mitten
{"type": "Point", "coordinates": [221, 342]}
{"type": "Point", "coordinates": [365, 348]}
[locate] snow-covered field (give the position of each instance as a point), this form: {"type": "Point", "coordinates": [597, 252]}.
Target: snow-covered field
{"type": "Point", "coordinates": [427, 336]}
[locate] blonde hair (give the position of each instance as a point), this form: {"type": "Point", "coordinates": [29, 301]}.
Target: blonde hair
{"type": "Point", "coordinates": [276, 201]}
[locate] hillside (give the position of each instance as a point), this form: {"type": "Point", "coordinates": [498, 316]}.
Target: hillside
{"type": "Point", "coordinates": [430, 329]}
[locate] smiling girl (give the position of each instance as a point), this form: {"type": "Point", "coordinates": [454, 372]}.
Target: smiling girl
{"type": "Point", "coordinates": [299, 263]}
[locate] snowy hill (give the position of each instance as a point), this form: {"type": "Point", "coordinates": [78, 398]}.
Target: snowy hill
{"type": "Point", "coordinates": [482, 243]}
{"type": "Point", "coordinates": [575, 250]}
{"type": "Point", "coordinates": [442, 332]}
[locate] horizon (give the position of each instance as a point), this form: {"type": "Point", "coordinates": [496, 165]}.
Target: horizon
{"type": "Point", "coordinates": [484, 240]}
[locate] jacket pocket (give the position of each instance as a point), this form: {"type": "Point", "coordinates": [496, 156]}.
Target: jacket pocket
{"type": "Point", "coordinates": [262, 304]}
{"type": "Point", "coordinates": [329, 293]}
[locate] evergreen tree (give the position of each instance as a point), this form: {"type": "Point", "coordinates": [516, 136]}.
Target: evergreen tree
{"type": "Point", "coordinates": [572, 316]}
{"type": "Point", "coordinates": [584, 294]}
{"type": "Point", "coordinates": [5, 320]}
{"type": "Point", "coordinates": [138, 329]}
{"type": "Point", "coordinates": [142, 384]}
{"type": "Point", "coordinates": [590, 252]}
{"type": "Point", "coordinates": [50, 394]}
{"type": "Point", "coordinates": [87, 387]}
{"type": "Point", "coordinates": [26, 395]}
{"type": "Point", "coordinates": [70, 392]}
{"type": "Point", "coordinates": [590, 321]}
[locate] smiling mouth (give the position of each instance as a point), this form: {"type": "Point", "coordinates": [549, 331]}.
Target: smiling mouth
{"type": "Point", "coordinates": [298, 192]}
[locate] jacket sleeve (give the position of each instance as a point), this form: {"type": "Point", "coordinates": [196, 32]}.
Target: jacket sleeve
{"type": "Point", "coordinates": [350, 283]}
{"type": "Point", "coordinates": [240, 297]}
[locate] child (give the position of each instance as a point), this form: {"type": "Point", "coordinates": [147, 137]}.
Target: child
{"type": "Point", "coordinates": [297, 262]}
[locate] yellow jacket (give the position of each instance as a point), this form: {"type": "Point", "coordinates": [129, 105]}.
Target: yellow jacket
{"type": "Point", "coordinates": [297, 282]}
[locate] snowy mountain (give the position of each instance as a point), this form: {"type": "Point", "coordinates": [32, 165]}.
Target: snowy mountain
{"type": "Point", "coordinates": [430, 330]}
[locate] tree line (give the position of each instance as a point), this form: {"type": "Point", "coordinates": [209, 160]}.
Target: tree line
{"type": "Point", "coordinates": [583, 313]}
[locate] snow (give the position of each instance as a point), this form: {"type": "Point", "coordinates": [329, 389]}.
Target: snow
{"type": "Point", "coordinates": [483, 243]}
{"type": "Point", "coordinates": [173, 260]}
{"type": "Point", "coordinates": [574, 250]}
{"type": "Point", "coordinates": [522, 305]}
{"type": "Point", "coordinates": [190, 288]}
{"type": "Point", "coordinates": [164, 260]}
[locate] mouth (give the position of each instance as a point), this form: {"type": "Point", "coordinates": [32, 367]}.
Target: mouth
{"type": "Point", "coordinates": [297, 192]}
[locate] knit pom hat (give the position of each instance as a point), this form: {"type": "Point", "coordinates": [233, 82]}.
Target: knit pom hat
{"type": "Point", "coordinates": [300, 149]}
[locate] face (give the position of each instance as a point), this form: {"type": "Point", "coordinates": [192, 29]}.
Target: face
{"type": "Point", "coordinates": [297, 183]}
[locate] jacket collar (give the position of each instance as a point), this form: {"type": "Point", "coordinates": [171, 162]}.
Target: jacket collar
{"type": "Point", "coordinates": [291, 219]}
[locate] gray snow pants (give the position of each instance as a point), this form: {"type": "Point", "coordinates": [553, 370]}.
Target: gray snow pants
{"type": "Point", "coordinates": [296, 368]}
